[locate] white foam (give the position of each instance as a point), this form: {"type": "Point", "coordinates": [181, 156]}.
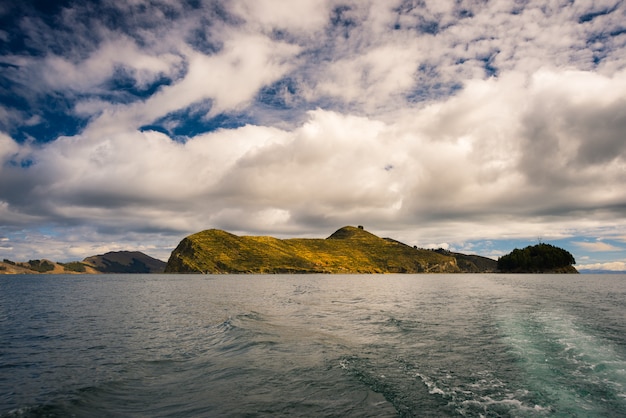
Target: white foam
{"type": "Point", "coordinates": [432, 387]}
{"type": "Point", "coordinates": [560, 356]}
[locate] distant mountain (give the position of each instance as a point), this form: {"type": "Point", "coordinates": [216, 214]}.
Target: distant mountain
{"type": "Point", "coordinates": [125, 262]}
{"type": "Point", "coordinates": [348, 250]}
{"type": "Point", "coordinates": [44, 267]}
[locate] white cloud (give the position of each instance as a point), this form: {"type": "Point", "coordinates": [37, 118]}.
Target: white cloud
{"type": "Point", "coordinates": [598, 246]}
{"type": "Point", "coordinates": [371, 79]}
{"type": "Point", "coordinates": [469, 159]}
{"type": "Point", "coordinates": [8, 147]}
{"type": "Point", "coordinates": [307, 16]}
{"type": "Point", "coordinates": [60, 73]}
{"type": "Point", "coordinates": [617, 266]}
{"type": "Point", "coordinates": [376, 68]}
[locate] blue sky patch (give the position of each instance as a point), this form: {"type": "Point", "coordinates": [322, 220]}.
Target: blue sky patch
{"type": "Point", "coordinates": [187, 123]}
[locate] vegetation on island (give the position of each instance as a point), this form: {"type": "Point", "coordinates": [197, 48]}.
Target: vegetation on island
{"type": "Point", "coordinates": [75, 266]}
{"type": "Point", "coordinates": [348, 250]}
{"type": "Point", "coordinates": [40, 266]}
{"type": "Point", "coordinates": [540, 258]}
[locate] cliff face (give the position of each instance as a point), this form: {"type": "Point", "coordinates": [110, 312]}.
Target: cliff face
{"type": "Point", "coordinates": [348, 250]}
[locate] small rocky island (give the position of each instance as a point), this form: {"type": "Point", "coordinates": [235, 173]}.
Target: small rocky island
{"type": "Point", "coordinates": [349, 250]}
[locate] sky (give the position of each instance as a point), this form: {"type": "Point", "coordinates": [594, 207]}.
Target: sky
{"type": "Point", "coordinates": [478, 126]}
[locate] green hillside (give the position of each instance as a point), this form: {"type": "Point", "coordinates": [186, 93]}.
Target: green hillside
{"type": "Point", "coordinates": [348, 250]}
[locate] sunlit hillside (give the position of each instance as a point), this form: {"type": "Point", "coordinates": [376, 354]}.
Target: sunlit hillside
{"type": "Point", "coordinates": [348, 250]}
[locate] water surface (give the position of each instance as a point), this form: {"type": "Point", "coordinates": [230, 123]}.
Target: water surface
{"type": "Point", "coordinates": [313, 345]}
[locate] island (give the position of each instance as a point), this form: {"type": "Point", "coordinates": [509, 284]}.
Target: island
{"type": "Point", "coordinates": [540, 258]}
{"type": "Point", "coordinates": [349, 250]}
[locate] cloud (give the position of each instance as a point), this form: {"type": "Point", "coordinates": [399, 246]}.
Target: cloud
{"type": "Point", "coordinates": [598, 246]}
{"type": "Point", "coordinates": [371, 78]}
{"type": "Point", "coordinates": [8, 148]}
{"type": "Point", "coordinates": [617, 266]}
{"type": "Point", "coordinates": [301, 17]}
{"type": "Point", "coordinates": [369, 56]}
{"type": "Point", "coordinates": [469, 159]}
{"type": "Point", "coordinates": [111, 56]}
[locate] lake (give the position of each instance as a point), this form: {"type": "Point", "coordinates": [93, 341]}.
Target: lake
{"type": "Point", "coordinates": [313, 345]}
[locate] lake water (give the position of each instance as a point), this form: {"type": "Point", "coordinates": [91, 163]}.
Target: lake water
{"type": "Point", "coordinates": [313, 345]}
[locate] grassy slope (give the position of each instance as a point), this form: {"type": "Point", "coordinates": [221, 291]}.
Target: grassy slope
{"type": "Point", "coordinates": [349, 250]}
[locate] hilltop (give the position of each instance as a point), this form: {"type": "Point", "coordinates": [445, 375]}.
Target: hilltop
{"type": "Point", "coordinates": [348, 250]}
